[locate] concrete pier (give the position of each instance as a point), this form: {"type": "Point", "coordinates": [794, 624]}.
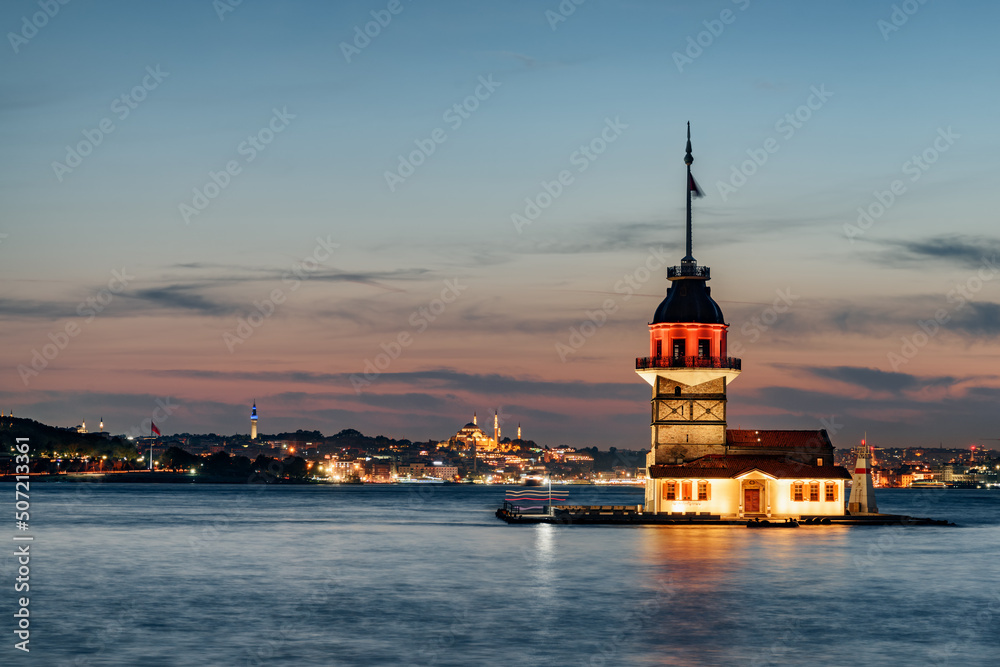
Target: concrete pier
{"type": "Point", "coordinates": [582, 515]}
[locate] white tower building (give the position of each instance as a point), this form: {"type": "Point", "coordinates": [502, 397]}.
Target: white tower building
{"type": "Point", "coordinates": [863, 489]}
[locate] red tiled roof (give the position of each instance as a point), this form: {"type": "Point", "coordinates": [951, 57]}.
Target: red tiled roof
{"type": "Point", "coordinates": [719, 466]}
{"type": "Point", "coordinates": [779, 439]}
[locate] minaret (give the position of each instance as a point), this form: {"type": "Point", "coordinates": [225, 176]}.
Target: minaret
{"type": "Point", "coordinates": [688, 367]}
{"type": "Point", "coordinates": [474, 422]}
{"type": "Point", "coordinates": [83, 426]}
{"type": "Point", "coordinates": [102, 425]}
{"type": "Point", "coordinates": [496, 429]}
{"type": "Point", "coordinates": [519, 430]}
{"type": "Point", "coordinates": [253, 420]}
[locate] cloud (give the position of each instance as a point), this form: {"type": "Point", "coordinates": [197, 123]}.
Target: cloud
{"type": "Point", "coordinates": [606, 237]}
{"type": "Point", "coordinates": [34, 309]}
{"type": "Point", "coordinates": [184, 297]}
{"type": "Point", "coordinates": [205, 294]}
{"type": "Point", "coordinates": [961, 250]}
{"type": "Point", "coordinates": [877, 380]}
{"type": "Point", "coordinates": [978, 319]}
{"type": "Point", "coordinates": [439, 380]}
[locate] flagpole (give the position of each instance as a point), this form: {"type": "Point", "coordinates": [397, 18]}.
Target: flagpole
{"type": "Point", "coordinates": [688, 159]}
{"type": "Point", "coordinates": [550, 493]}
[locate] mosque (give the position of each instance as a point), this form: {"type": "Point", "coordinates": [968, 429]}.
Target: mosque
{"type": "Point", "coordinates": [695, 464]}
{"type": "Point", "coordinates": [473, 438]}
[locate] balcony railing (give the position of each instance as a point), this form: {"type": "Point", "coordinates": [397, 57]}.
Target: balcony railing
{"type": "Point", "coordinates": [686, 270]}
{"type": "Point", "coordinates": [643, 363]}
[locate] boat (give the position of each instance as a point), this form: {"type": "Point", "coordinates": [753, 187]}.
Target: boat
{"type": "Point", "coordinates": [928, 484]}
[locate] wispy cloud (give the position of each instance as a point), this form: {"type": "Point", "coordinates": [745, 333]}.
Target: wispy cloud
{"type": "Point", "coordinates": [878, 380]}
{"type": "Point", "coordinates": [439, 380]}
{"type": "Point", "coordinates": [961, 250]}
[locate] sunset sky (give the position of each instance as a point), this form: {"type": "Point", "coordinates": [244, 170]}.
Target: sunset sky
{"type": "Point", "coordinates": [245, 171]}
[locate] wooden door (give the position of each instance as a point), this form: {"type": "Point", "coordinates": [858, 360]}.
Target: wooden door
{"type": "Point", "coordinates": [751, 500]}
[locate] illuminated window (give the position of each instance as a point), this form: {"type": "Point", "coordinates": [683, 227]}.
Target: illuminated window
{"type": "Point", "coordinates": [670, 491]}
{"type": "Point", "coordinates": [704, 347]}
{"type": "Point", "coordinates": [680, 347]}
{"type": "Point", "coordinates": [659, 348]}
{"type": "Point", "coordinates": [831, 491]}
{"type": "Point", "coordinates": [703, 490]}
{"type": "Point", "coordinates": [814, 491]}
{"type": "Point", "coordinates": [797, 491]}
{"type": "Point", "coordinates": [686, 490]}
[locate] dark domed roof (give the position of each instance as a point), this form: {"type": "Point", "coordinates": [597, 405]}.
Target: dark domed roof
{"type": "Point", "coordinates": [470, 425]}
{"type": "Point", "coordinates": [689, 300]}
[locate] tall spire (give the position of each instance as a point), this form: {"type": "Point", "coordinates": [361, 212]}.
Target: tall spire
{"type": "Point", "coordinates": [688, 159]}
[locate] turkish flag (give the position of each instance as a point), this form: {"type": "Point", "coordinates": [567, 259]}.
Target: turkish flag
{"type": "Point", "coordinates": [152, 427]}
{"type": "Point", "coordinates": [693, 187]}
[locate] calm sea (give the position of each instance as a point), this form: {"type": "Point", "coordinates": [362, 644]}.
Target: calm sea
{"type": "Point", "coordinates": [245, 575]}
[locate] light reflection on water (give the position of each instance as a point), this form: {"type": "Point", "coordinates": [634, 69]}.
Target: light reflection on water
{"type": "Point", "coordinates": [196, 575]}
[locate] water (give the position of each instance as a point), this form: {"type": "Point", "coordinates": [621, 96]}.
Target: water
{"type": "Point", "coordinates": [244, 575]}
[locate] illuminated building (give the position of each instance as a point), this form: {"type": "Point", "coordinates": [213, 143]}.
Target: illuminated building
{"type": "Point", "coordinates": [253, 421]}
{"type": "Point", "coordinates": [469, 436]}
{"type": "Point", "coordinates": [473, 438]}
{"type": "Point", "coordinates": [695, 465]}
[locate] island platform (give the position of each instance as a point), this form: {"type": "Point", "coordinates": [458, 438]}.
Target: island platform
{"type": "Point", "coordinates": [588, 515]}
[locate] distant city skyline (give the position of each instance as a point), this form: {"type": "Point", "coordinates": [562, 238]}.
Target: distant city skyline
{"type": "Point", "coordinates": [386, 216]}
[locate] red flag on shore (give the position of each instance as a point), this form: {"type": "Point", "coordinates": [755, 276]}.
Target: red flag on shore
{"type": "Point", "coordinates": [693, 187]}
{"type": "Point", "coordinates": [153, 429]}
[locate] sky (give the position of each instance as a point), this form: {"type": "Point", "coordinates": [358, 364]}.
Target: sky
{"type": "Point", "coordinates": [389, 215]}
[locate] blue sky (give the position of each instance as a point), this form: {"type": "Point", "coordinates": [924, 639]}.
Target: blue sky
{"type": "Point", "coordinates": [890, 96]}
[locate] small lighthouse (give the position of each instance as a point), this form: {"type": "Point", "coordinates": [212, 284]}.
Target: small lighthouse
{"type": "Point", "coordinates": [862, 489]}
{"type": "Point", "coordinates": [253, 421]}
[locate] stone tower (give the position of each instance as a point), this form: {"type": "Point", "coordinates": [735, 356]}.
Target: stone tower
{"type": "Point", "coordinates": [688, 366]}
{"type": "Point", "coordinates": [253, 421]}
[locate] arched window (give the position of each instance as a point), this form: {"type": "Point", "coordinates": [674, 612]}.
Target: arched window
{"type": "Point", "coordinates": [704, 490]}
{"type": "Point", "coordinates": [814, 491]}
{"type": "Point", "coordinates": [670, 491]}
{"type": "Point", "coordinates": [686, 490]}
{"type": "Point", "coordinates": [677, 391]}
{"type": "Point", "coordinates": [797, 491]}
{"type": "Point", "coordinates": [831, 491]}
